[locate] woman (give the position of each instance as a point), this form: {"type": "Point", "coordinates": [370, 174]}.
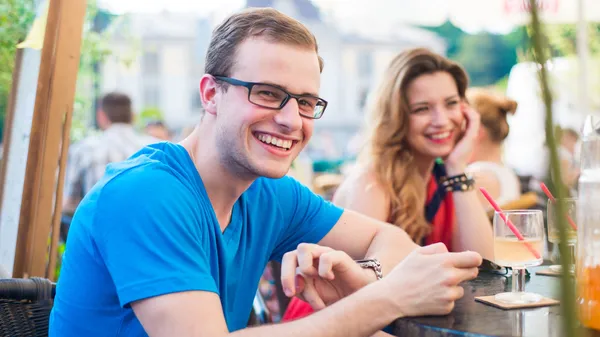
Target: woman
{"type": "Point", "coordinates": [419, 116]}
{"type": "Point", "coordinates": [487, 166]}
{"type": "Point", "coordinates": [567, 152]}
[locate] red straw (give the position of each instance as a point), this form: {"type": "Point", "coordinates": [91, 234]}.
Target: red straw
{"type": "Point", "coordinates": [509, 223]}
{"type": "Point", "coordinates": [551, 197]}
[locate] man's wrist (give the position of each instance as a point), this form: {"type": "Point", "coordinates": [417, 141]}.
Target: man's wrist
{"type": "Point", "coordinates": [372, 267]}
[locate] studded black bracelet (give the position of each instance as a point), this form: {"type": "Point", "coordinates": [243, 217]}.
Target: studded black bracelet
{"type": "Point", "coordinates": [459, 183]}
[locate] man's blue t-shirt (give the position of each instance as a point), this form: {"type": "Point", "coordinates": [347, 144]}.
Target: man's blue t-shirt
{"type": "Point", "coordinates": [148, 228]}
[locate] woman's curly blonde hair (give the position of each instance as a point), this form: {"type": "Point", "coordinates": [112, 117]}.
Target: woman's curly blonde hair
{"type": "Point", "coordinates": [387, 150]}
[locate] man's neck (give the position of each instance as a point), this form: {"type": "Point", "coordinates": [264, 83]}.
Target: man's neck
{"type": "Point", "coordinates": [223, 186]}
{"type": "Point", "coordinates": [488, 153]}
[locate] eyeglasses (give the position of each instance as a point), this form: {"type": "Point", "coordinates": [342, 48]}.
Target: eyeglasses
{"type": "Point", "coordinates": [272, 97]}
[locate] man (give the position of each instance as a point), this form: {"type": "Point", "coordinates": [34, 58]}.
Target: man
{"type": "Point", "coordinates": [88, 158]}
{"type": "Point", "coordinates": [173, 241]}
{"type": "Point", "coordinates": [158, 130]}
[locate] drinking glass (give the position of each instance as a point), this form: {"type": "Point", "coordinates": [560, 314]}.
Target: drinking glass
{"type": "Point", "coordinates": [570, 205]}
{"type": "Point", "coordinates": [518, 253]}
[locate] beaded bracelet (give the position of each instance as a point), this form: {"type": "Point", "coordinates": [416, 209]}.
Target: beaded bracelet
{"type": "Point", "coordinates": [459, 183]}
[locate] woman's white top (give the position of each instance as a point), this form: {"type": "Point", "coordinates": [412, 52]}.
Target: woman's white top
{"type": "Point", "coordinates": [510, 187]}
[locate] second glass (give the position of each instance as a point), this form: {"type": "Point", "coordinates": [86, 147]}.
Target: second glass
{"type": "Point", "coordinates": [571, 221]}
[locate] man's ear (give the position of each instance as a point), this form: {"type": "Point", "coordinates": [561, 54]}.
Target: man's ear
{"type": "Point", "coordinates": [208, 93]}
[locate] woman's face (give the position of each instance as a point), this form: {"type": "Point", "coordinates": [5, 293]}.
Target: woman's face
{"type": "Point", "coordinates": [435, 115]}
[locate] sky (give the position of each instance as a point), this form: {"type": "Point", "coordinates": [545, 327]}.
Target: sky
{"type": "Point", "coordinates": [197, 6]}
{"type": "Point", "coordinates": [344, 12]}
{"type": "Point", "coordinates": [217, 9]}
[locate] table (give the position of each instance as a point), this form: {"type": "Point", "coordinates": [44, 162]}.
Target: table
{"type": "Point", "coordinates": [474, 319]}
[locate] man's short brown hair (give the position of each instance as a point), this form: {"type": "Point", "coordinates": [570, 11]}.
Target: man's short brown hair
{"type": "Point", "coordinates": [266, 23]}
{"type": "Point", "coordinates": [117, 107]}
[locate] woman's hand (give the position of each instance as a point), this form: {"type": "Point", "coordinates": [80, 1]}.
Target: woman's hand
{"type": "Point", "coordinates": [457, 160]}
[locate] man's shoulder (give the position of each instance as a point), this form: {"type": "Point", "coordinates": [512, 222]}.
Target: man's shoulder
{"type": "Point", "coordinates": [157, 166]}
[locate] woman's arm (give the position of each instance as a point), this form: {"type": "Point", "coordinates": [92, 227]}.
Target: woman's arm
{"type": "Point", "coordinates": [360, 192]}
{"type": "Point", "coordinates": [488, 181]}
{"type": "Point", "coordinates": [473, 229]}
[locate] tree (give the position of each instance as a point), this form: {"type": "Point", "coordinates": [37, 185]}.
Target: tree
{"type": "Point", "coordinates": [563, 39]}
{"type": "Point", "coordinates": [451, 34]}
{"type": "Point", "coordinates": [16, 17]}
{"type": "Point", "coordinates": [99, 28]}
{"type": "Point", "coordinates": [487, 57]}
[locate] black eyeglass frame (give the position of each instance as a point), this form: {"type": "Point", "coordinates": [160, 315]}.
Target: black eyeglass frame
{"type": "Point", "coordinates": [250, 85]}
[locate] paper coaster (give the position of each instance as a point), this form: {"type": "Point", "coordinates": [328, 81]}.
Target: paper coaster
{"type": "Point", "coordinates": [490, 300]}
{"type": "Point", "coordinates": [547, 272]}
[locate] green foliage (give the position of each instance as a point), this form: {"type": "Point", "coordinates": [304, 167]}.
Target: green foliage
{"type": "Point", "coordinates": [563, 38]}
{"type": "Point", "coordinates": [16, 17]}
{"type": "Point", "coordinates": [148, 115]}
{"type": "Point", "coordinates": [451, 34]}
{"type": "Point", "coordinates": [502, 84]}
{"type": "Point", "coordinates": [99, 28]}
{"type": "Point", "coordinates": [487, 57]}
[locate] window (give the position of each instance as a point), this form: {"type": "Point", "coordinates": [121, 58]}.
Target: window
{"type": "Point", "coordinates": [150, 63]}
{"type": "Point", "coordinates": [151, 96]}
{"type": "Point", "coordinates": [364, 63]}
{"type": "Point", "coordinates": [363, 95]}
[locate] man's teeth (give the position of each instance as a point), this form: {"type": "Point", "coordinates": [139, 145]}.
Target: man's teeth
{"type": "Point", "coordinates": [440, 135]}
{"type": "Point", "coordinates": [268, 139]}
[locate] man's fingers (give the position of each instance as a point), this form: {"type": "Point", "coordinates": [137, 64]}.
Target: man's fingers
{"type": "Point", "coordinates": [329, 260]}
{"type": "Point", "coordinates": [300, 284]}
{"type": "Point", "coordinates": [307, 253]}
{"type": "Point", "coordinates": [465, 259]}
{"type": "Point", "coordinates": [469, 273]}
{"type": "Point", "coordinates": [311, 295]}
{"type": "Point", "coordinates": [455, 276]}
{"type": "Point", "coordinates": [436, 248]}
{"type": "Point", "coordinates": [289, 262]}
{"type": "Point", "coordinates": [455, 293]}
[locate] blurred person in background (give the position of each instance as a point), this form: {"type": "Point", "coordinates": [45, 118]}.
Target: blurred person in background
{"type": "Point", "coordinates": [88, 158]}
{"type": "Point", "coordinates": [568, 140]}
{"type": "Point", "coordinates": [420, 116]}
{"type": "Point", "coordinates": [486, 164]}
{"type": "Point", "coordinates": [158, 130]}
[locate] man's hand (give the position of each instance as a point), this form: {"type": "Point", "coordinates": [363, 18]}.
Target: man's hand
{"type": "Point", "coordinates": [427, 281]}
{"type": "Point", "coordinates": [320, 275]}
